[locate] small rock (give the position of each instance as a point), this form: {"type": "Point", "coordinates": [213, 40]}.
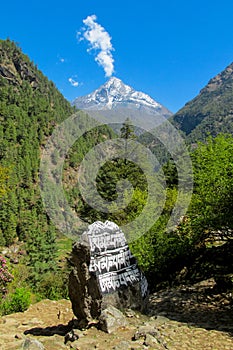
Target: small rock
{"type": "Point", "coordinates": [144, 330]}
{"type": "Point", "coordinates": [74, 345]}
{"type": "Point", "coordinates": [9, 322]}
{"type": "Point", "coordinates": [71, 336]}
{"type": "Point", "coordinates": [111, 319]}
{"type": "Point", "coordinates": [123, 345]}
{"type": "Point", "coordinates": [30, 344]}
{"type": "Point", "coordinates": [161, 320]}
{"type": "Point", "coordinates": [151, 341]}
{"type": "Point", "coordinates": [129, 313]}
{"type": "Point", "coordinates": [18, 336]}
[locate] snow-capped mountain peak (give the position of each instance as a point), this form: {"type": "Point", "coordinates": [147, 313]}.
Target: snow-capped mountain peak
{"type": "Point", "coordinates": [114, 82]}
{"type": "Point", "coordinates": [114, 94]}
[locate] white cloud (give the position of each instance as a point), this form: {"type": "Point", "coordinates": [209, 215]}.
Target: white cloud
{"type": "Point", "coordinates": [73, 82]}
{"type": "Point", "coordinates": [99, 40]}
{"type": "Point", "coordinates": [61, 59]}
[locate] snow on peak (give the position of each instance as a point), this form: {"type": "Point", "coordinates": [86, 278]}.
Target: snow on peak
{"type": "Point", "coordinates": [113, 81]}
{"type": "Point", "coordinates": [114, 94]}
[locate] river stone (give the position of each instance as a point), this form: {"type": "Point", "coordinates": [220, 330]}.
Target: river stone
{"type": "Point", "coordinates": [104, 272]}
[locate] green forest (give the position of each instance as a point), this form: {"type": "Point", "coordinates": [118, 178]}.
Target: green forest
{"type": "Point", "coordinates": [33, 262]}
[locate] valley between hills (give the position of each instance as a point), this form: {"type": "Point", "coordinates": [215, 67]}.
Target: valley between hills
{"type": "Point", "coordinates": [189, 269]}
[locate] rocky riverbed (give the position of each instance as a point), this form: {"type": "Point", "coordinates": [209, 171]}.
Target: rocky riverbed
{"type": "Point", "coordinates": [186, 317]}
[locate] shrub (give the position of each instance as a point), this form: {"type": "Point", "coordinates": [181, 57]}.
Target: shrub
{"type": "Point", "coordinates": [18, 301]}
{"type": "Point", "coordinates": [5, 276]}
{"type": "Point", "coordinates": [53, 286]}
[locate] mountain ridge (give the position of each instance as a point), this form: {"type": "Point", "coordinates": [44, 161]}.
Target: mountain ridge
{"type": "Point", "coordinates": [211, 111]}
{"type": "Point", "coordinates": [114, 94]}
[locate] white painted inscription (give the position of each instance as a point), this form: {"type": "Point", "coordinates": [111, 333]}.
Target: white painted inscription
{"type": "Point", "coordinates": [111, 258]}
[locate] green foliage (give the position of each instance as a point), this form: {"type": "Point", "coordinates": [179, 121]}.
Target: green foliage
{"type": "Point", "coordinates": [170, 172]}
{"type": "Point", "coordinates": [20, 272]}
{"type": "Point", "coordinates": [64, 246]}
{"type": "Point", "coordinates": [212, 203]}
{"type": "Point", "coordinates": [53, 286]}
{"type": "Point", "coordinates": [110, 175]}
{"type": "Point", "coordinates": [160, 252]}
{"type": "Point", "coordinates": [4, 175]}
{"type": "Point", "coordinates": [127, 130]}
{"type": "Point", "coordinates": [18, 301]}
{"type": "Point", "coordinates": [30, 107]}
{"type": "Point", "coordinates": [210, 211]}
{"type": "Point", "coordinates": [136, 203]}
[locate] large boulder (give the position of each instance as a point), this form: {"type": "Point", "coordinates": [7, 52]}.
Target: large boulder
{"type": "Point", "coordinates": [104, 272]}
{"type": "Point", "coordinates": [111, 319]}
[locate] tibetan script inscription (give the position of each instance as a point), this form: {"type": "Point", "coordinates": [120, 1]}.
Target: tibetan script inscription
{"type": "Point", "coordinates": [111, 259]}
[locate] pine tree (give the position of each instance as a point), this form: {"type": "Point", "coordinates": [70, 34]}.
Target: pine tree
{"type": "Point", "coordinates": [127, 133]}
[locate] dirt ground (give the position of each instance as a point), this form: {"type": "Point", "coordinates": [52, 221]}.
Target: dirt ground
{"type": "Point", "coordinates": [187, 317]}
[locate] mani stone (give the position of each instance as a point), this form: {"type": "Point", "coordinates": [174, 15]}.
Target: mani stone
{"type": "Point", "coordinates": [104, 272]}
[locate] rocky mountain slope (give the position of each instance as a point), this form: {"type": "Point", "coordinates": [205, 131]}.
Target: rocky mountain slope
{"type": "Point", "coordinates": [115, 101]}
{"type": "Point", "coordinates": [211, 112]}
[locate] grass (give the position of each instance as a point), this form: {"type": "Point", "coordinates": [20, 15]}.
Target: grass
{"type": "Point", "coordinates": [64, 245]}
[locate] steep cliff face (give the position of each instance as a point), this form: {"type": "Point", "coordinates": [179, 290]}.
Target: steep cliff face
{"type": "Point", "coordinates": [14, 69]}
{"type": "Point", "coordinates": [211, 112]}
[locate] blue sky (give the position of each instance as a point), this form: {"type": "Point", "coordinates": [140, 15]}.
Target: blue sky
{"type": "Point", "coordinates": [167, 49]}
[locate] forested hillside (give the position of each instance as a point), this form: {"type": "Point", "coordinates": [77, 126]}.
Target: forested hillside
{"type": "Point", "coordinates": [35, 263]}
{"type": "Point", "coordinates": [211, 112]}
{"type": "Point", "coordinates": [30, 108]}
